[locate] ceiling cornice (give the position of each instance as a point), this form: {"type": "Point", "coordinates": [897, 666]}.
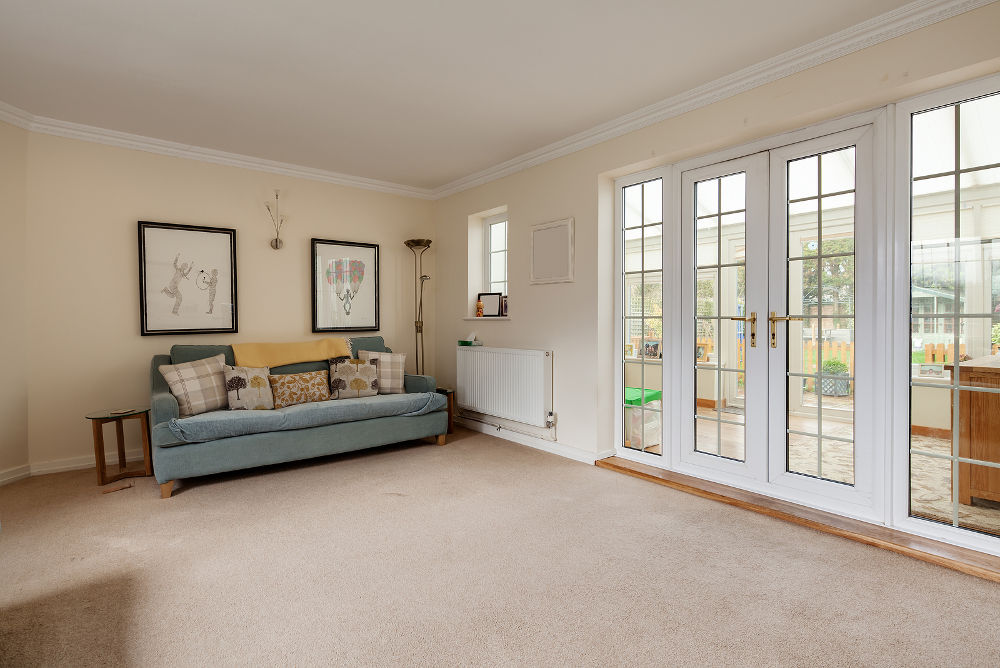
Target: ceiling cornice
{"type": "Point", "coordinates": [879, 29]}
{"type": "Point", "coordinates": [892, 24]}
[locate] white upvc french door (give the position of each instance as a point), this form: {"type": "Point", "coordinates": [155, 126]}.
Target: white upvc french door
{"type": "Point", "coordinates": [777, 251]}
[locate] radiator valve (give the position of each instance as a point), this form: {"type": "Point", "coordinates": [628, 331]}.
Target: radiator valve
{"type": "Point", "coordinates": [550, 420]}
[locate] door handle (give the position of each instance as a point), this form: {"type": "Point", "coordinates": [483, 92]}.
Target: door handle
{"type": "Point", "coordinates": [753, 327]}
{"type": "Point", "coordinates": [774, 326]}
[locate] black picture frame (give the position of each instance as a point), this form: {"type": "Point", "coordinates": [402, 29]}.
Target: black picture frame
{"type": "Point", "coordinates": [335, 290]}
{"type": "Point", "coordinates": [492, 305]}
{"type": "Point", "coordinates": [170, 298]}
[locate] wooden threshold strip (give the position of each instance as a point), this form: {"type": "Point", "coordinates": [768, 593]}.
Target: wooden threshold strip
{"type": "Point", "coordinates": [962, 559]}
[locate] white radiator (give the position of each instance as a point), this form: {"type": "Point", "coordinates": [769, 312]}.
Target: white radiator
{"type": "Point", "coordinates": [507, 383]}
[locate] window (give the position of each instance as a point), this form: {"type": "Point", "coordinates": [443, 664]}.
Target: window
{"type": "Point", "coordinates": [495, 243]}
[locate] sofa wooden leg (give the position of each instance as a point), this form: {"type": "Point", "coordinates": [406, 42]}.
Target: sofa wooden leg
{"type": "Point", "coordinates": [441, 438]}
{"type": "Point", "coordinates": [166, 489]}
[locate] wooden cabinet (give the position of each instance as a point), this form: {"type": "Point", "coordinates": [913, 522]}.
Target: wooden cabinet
{"type": "Point", "coordinates": [979, 430]}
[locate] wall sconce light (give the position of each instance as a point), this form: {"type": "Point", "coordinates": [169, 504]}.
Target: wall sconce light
{"type": "Point", "coordinates": [277, 220]}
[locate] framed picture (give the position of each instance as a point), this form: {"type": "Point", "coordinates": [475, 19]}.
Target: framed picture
{"type": "Point", "coordinates": [345, 276]}
{"type": "Point", "coordinates": [503, 306]}
{"type": "Point", "coordinates": [651, 350]}
{"type": "Point", "coordinates": [187, 279]}
{"type": "Point", "coordinates": [492, 304]}
{"type": "Point", "coordinates": [932, 370]}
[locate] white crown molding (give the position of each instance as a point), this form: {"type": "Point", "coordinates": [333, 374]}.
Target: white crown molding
{"type": "Point", "coordinates": [892, 24]}
{"type": "Point", "coordinates": [901, 21]}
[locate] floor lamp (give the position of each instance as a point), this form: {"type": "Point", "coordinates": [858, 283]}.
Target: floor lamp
{"type": "Point", "coordinates": [419, 277]}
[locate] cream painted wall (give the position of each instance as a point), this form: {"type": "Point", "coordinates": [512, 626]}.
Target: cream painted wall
{"type": "Point", "coordinates": [575, 319]}
{"type": "Point", "coordinates": [84, 199]}
{"type": "Point", "coordinates": [13, 390]}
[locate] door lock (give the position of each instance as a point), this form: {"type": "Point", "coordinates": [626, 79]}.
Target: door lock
{"type": "Point", "coordinates": [753, 327]}
{"type": "Point", "coordinates": [774, 326]}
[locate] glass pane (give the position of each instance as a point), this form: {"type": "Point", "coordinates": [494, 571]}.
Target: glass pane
{"type": "Point", "coordinates": [733, 396]}
{"type": "Point", "coordinates": [802, 405]}
{"type": "Point", "coordinates": [838, 461]}
{"type": "Point", "coordinates": [980, 196]}
{"type": "Point", "coordinates": [652, 193]}
{"type": "Point", "coordinates": [930, 481]}
{"type": "Point", "coordinates": [633, 296]}
{"type": "Point", "coordinates": [732, 291]}
{"type": "Point", "coordinates": [980, 136]}
{"type": "Point", "coordinates": [633, 427]}
{"type": "Point", "coordinates": [500, 287]}
{"type": "Point", "coordinates": [732, 345]}
{"type": "Point", "coordinates": [708, 242]}
{"type": "Point", "coordinates": [633, 250]}
{"type": "Point", "coordinates": [803, 287]}
{"type": "Point", "coordinates": [733, 444]}
{"type": "Point", "coordinates": [979, 413]}
{"type": "Point", "coordinates": [652, 287]}
{"type": "Point", "coordinates": [734, 232]}
{"type": "Point", "coordinates": [934, 141]}
{"type": "Point", "coordinates": [933, 210]}
{"type": "Point", "coordinates": [837, 170]}
{"type": "Point", "coordinates": [707, 292]}
{"type": "Point", "coordinates": [838, 224]}
{"type": "Point", "coordinates": [975, 344]}
{"type": "Point", "coordinates": [706, 348]}
{"type": "Point", "coordinates": [706, 437]}
{"type": "Point", "coordinates": [498, 236]}
{"type": "Point", "coordinates": [632, 206]}
{"type": "Point", "coordinates": [734, 192]}
{"type": "Point", "coordinates": [838, 285]}
{"type": "Point", "coordinates": [932, 280]}
{"type": "Point", "coordinates": [498, 266]}
{"type": "Point", "coordinates": [803, 229]}
{"type": "Point", "coordinates": [804, 346]}
{"type": "Point", "coordinates": [707, 399]}
{"type": "Point", "coordinates": [803, 177]}
{"type": "Point", "coordinates": [652, 343]}
{"type": "Point", "coordinates": [652, 247]}
{"type": "Point", "coordinates": [707, 197]}
{"type": "Point", "coordinates": [633, 337]}
{"type": "Point", "coordinates": [837, 407]}
{"type": "Point", "coordinates": [803, 454]}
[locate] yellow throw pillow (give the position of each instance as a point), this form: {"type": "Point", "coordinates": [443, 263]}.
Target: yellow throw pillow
{"type": "Point", "coordinates": [300, 388]}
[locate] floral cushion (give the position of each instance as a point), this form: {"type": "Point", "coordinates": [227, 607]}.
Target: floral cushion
{"type": "Point", "coordinates": [249, 388]}
{"type": "Point", "coordinates": [353, 378]}
{"type": "Point", "coordinates": [299, 388]}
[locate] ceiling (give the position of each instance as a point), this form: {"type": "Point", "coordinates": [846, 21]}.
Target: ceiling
{"type": "Point", "coordinates": [413, 93]}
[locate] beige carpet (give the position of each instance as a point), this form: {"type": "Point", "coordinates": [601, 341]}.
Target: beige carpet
{"type": "Point", "coordinates": [481, 552]}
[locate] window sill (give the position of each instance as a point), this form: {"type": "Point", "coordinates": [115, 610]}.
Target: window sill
{"type": "Point", "coordinates": [487, 318]}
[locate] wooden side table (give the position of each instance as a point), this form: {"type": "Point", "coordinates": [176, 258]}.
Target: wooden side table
{"type": "Point", "coordinates": [450, 396]}
{"type": "Point", "coordinates": [98, 420]}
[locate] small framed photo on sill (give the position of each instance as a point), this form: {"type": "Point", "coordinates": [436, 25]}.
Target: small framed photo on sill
{"type": "Point", "coordinates": [492, 303]}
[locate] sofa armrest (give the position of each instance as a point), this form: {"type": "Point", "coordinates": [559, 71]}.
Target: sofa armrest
{"type": "Point", "coordinates": [163, 405]}
{"type": "Point", "coordinates": [413, 383]}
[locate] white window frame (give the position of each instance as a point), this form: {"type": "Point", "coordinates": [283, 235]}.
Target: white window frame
{"type": "Point", "coordinates": [488, 252]}
{"type": "Point", "coordinates": [901, 369]}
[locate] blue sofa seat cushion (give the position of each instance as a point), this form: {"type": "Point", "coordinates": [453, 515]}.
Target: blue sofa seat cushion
{"type": "Point", "coordinates": [226, 424]}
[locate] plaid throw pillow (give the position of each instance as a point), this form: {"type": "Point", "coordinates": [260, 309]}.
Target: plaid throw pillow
{"type": "Point", "coordinates": [390, 370]}
{"type": "Point", "coordinates": [199, 386]}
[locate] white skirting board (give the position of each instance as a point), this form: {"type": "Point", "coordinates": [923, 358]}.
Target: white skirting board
{"type": "Point", "coordinates": [67, 464]}
{"type": "Point", "coordinates": [553, 447]}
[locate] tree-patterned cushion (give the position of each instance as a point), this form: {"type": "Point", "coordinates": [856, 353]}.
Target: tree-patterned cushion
{"type": "Point", "coordinates": [353, 378]}
{"type": "Point", "coordinates": [300, 388]}
{"type": "Point", "coordinates": [249, 388]}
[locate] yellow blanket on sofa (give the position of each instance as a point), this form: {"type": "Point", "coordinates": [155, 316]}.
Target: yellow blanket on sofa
{"type": "Point", "coordinates": [279, 354]}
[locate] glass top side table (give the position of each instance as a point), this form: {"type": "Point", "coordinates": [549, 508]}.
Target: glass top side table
{"type": "Point", "coordinates": [98, 420]}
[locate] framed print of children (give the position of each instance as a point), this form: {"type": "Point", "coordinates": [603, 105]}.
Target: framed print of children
{"type": "Point", "coordinates": [187, 277]}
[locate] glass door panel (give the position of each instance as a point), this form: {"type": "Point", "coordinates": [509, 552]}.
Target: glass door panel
{"type": "Point", "coordinates": [642, 316]}
{"type": "Point", "coordinates": [955, 315]}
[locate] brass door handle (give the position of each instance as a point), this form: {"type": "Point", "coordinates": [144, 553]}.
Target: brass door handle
{"type": "Point", "coordinates": [774, 326]}
{"type": "Point", "coordinates": [753, 327]}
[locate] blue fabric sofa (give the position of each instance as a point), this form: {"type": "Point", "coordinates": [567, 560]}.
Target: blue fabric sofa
{"type": "Point", "coordinates": [175, 459]}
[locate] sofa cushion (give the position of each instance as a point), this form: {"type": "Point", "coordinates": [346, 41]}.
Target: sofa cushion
{"type": "Point", "coordinates": [299, 388]}
{"type": "Point", "coordinates": [353, 378]}
{"type": "Point", "coordinates": [198, 386]}
{"type": "Point", "coordinates": [390, 370]}
{"type": "Point", "coordinates": [186, 352]}
{"type": "Point", "coordinates": [248, 388]}
{"type": "Point", "coordinates": [226, 424]}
